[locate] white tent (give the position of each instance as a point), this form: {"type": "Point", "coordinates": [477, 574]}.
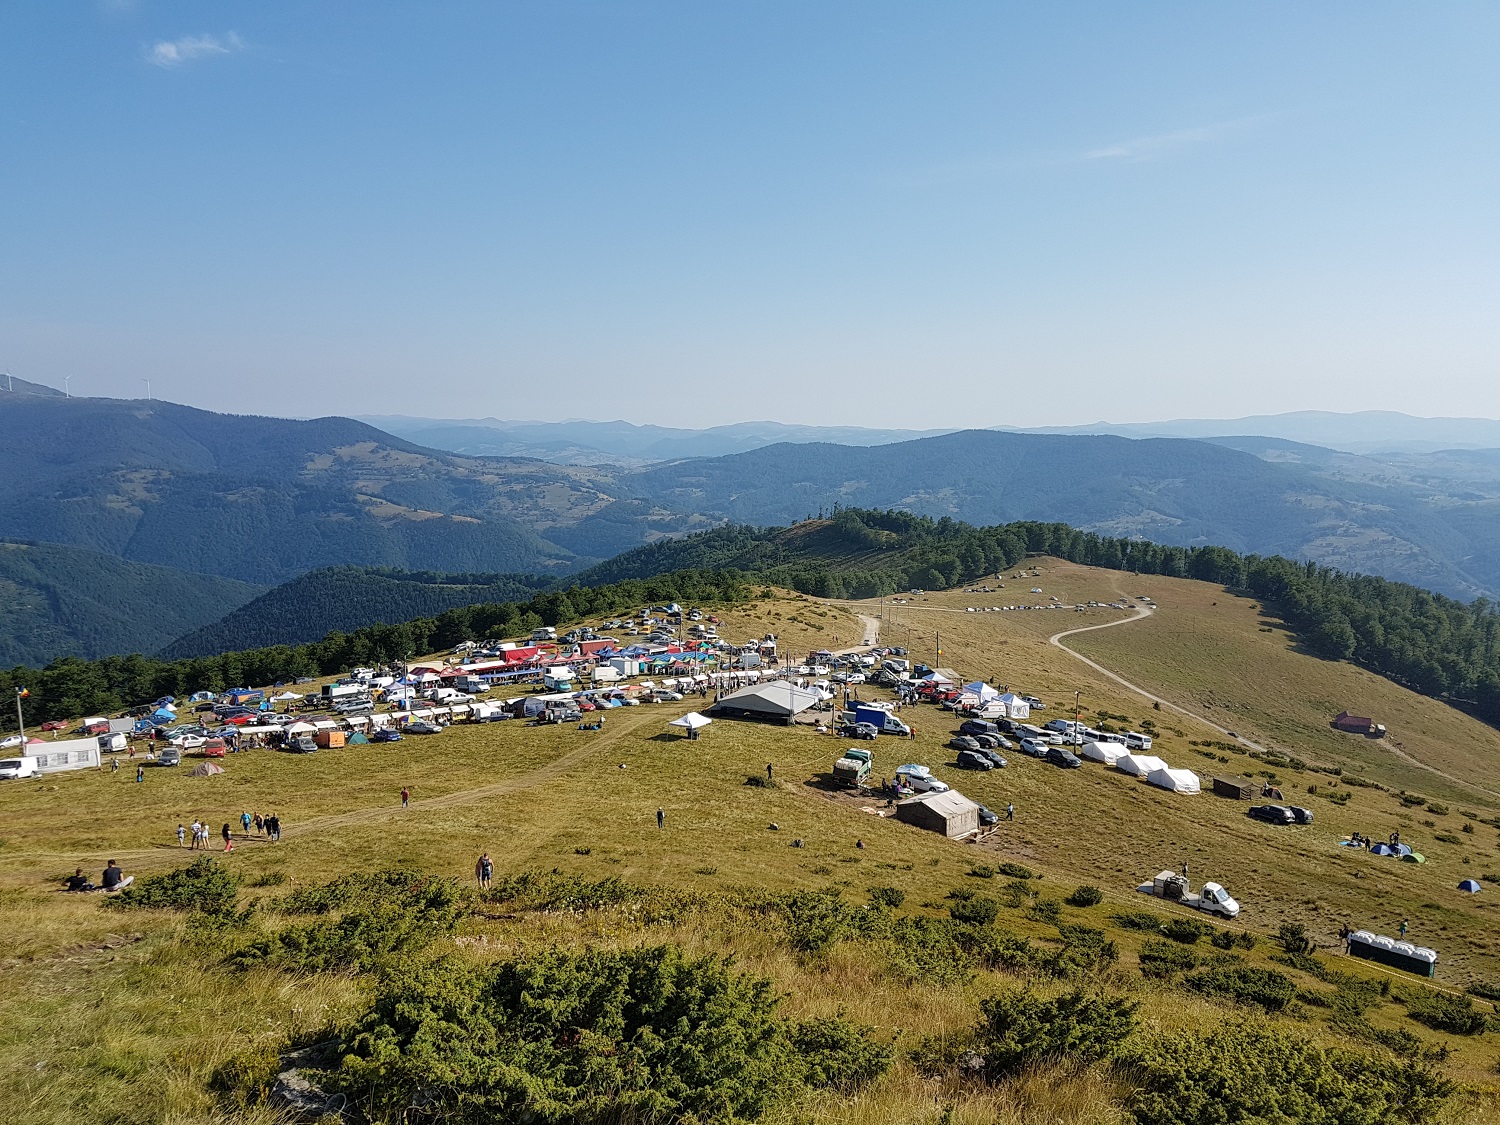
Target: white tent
{"type": "Point", "coordinates": [1178, 781]}
{"type": "Point", "coordinates": [1015, 706]}
{"type": "Point", "coordinates": [284, 696]}
{"type": "Point", "coordinates": [1140, 765]}
{"type": "Point", "coordinates": [984, 691]}
{"type": "Point", "coordinates": [691, 721]}
{"type": "Point", "coordinates": [301, 728]}
{"type": "Point", "coordinates": [1107, 752]}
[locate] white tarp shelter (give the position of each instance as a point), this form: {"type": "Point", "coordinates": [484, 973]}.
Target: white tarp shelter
{"type": "Point", "coordinates": [1107, 752]}
{"type": "Point", "coordinates": [983, 691]}
{"type": "Point", "coordinates": [1140, 765]}
{"type": "Point", "coordinates": [1015, 706]}
{"type": "Point", "coordinates": [691, 722]}
{"type": "Point", "coordinates": [1177, 781]}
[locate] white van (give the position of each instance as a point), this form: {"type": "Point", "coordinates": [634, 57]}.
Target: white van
{"type": "Point", "coordinates": [12, 769]}
{"type": "Point", "coordinates": [1134, 740]}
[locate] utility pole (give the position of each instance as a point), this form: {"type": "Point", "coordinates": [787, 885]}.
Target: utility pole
{"type": "Point", "coordinates": [148, 389]}
{"type": "Point", "coordinates": [66, 380]}
{"type": "Point", "coordinates": [21, 722]}
{"type": "Point", "coordinates": [1077, 709]}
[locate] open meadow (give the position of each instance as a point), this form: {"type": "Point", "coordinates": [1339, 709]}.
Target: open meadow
{"type": "Point", "coordinates": [132, 1016]}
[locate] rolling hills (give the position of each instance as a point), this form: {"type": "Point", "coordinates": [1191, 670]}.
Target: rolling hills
{"type": "Point", "coordinates": [65, 601]}
{"type": "Point", "coordinates": [341, 599]}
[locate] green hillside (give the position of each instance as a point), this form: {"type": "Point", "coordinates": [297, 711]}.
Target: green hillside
{"type": "Point", "coordinates": [63, 601]}
{"type": "Point", "coordinates": [345, 598]}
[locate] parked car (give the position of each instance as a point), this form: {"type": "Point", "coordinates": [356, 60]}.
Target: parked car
{"type": "Point", "coordinates": [973, 760]}
{"type": "Point", "coordinates": [1063, 759]}
{"type": "Point", "coordinates": [12, 741]}
{"type": "Point", "coordinates": [302, 745]}
{"type": "Point", "coordinates": [987, 741]}
{"type": "Point", "coordinates": [386, 734]}
{"type": "Point", "coordinates": [1035, 703]}
{"type": "Point", "coordinates": [1272, 814]}
{"type": "Point", "coordinates": [1300, 815]}
{"type": "Point", "coordinates": [978, 726]}
{"type": "Point", "coordinates": [920, 778]}
{"type": "Point", "coordinates": [422, 726]}
{"type": "Point", "coordinates": [994, 756]}
{"type": "Point", "coordinates": [964, 743]}
{"type": "Point", "coordinates": [169, 756]}
{"type": "Point", "coordinates": [987, 818]}
{"type": "Point", "coordinates": [1034, 748]}
{"type": "Point", "coordinates": [55, 724]}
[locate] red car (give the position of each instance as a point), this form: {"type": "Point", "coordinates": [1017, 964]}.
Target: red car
{"type": "Point", "coordinates": [239, 720]}
{"type": "Point", "coordinates": [55, 724]}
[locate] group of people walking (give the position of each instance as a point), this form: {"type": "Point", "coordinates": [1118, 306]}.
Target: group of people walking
{"type": "Point", "coordinates": [268, 826]}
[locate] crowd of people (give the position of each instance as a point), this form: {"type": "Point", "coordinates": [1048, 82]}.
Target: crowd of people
{"type": "Point", "coordinates": [267, 826]}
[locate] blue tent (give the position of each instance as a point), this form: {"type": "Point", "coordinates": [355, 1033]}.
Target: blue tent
{"type": "Point", "coordinates": [1382, 849]}
{"type": "Point", "coordinates": [1470, 885]}
{"type": "Point", "coordinates": [1402, 849]}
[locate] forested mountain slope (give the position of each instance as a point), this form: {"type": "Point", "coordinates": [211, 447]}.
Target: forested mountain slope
{"type": "Point", "coordinates": [64, 601]}
{"type": "Point", "coordinates": [344, 599]}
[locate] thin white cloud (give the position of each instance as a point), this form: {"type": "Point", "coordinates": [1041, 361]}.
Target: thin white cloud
{"type": "Point", "coordinates": [1161, 144]}
{"type": "Point", "coordinates": [174, 52]}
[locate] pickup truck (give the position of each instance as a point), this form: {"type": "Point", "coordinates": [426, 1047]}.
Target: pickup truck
{"type": "Point", "coordinates": [853, 768]}
{"type": "Point", "coordinates": [1173, 887]}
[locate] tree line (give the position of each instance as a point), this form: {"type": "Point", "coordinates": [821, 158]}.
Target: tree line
{"type": "Point", "coordinates": [1432, 644]}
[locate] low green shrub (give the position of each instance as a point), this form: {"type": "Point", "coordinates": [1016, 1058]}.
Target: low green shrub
{"type": "Point", "coordinates": [837, 1054]}
{"type": "Point", "coordinates": [1292, 937]}
{"type": "Point", "coordinates": [639, 1034]}
{"type": "Point", "coordinates": [1160, 960]}
{"type": "Point", "coordinates": [1264, 988]}
{"type": "Point", "coordinates": [1018, 1028]}
{"type": "Point", "coordinates": [890, 897]}
{"type": "Point", "coordinates": [1442, 1012]}
{"type": "Point", "coordinates": [1185, 930]}
{"type": "Point", "coordinates": [1085, 896]}
{"type": "Point", "coordinates": [1485, 990]}
{"type": "Point", "coordinates": [1045, 910]}
{"type": "Point", "coordinates": [1015, 871]}
{"type": "Point", "coordinates": [981, 871]}
{"type": "Point", "coordinates": [1256, 1072]}
{"type": "Point", "coordinates": [980, 910]}
{"type": "Point", "coordinates": [204, 885]}
{"type": "Point", "coordinates": [1142, 920]}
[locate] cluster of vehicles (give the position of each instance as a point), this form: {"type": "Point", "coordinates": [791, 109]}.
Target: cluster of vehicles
{"type": "Point", "coordinates": [1280, 814]}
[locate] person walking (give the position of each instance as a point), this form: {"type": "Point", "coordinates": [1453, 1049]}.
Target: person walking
{"type": "Point", "coordinates": [483, 870]}
{"type": "Point", "coordinates": [196, 829]}
{"type": "Point", "coordinates": [661, 819]}
{"type": "Point", "coordinates": [273, 828]}
{"type": "Point", "coordinates": [140, 774]}
{"type": "Point", "coordinates": [1010, 812]}
{"type": "Point", "coordinates": [181, 836]}
{"type": "Point", "coordinates": [245, 823]}
{"type": "Point", "coordinates": [260, 825]}
{"type": "Point", "coordinates": [405, 798]}
{"type": "Point", "coordinates": [114, 765]}
{"type": "Point", "coordinates": [228, 837]}
{"type": "Point", "coordinates": [768, 771]}
{"type": "Point", "coordinates": [1403, 929]}
{"type": "Point", "coordinates": [1184, 869]}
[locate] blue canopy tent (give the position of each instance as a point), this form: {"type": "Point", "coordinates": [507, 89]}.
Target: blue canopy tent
{"type": "Point", "coordinates": [1470, 886]}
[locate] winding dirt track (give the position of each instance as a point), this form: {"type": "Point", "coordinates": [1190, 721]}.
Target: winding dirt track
{"type": "Point", "coordinates": [1145, 611]}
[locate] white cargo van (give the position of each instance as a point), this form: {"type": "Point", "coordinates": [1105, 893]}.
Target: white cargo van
{"type": "Point", "coordinates": [12, 769]}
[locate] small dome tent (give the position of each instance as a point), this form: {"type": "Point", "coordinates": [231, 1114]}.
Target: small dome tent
{"type": "Point", "coordinates": [1470, 886]}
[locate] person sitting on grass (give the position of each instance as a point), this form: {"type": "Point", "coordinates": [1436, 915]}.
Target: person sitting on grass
{"type": "Point", "coordinates": [114, 879]}
{"type": "Point", "coordinates": [78, 881]}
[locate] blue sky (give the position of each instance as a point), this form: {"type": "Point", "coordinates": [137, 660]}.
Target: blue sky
{"type": "Point", "coordinates": [885, 214]}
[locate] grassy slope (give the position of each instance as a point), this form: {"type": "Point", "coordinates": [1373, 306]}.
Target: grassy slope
{"type": "Point", "coordinates": [534, 797]}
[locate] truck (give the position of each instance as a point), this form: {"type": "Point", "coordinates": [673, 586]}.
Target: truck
{"type": "Point", "coordinates": [474, 685]}
{"type": "Point", "coordinates": [853, 769]}
{"type": "Point", "coordinates": [886, 722]}
{"type": "Point", "coordinates": [1211, 897]}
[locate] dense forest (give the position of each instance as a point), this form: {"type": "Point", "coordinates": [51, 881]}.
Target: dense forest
{"type": "Point", "coordinates": [1430, 643]}
{"type": "Point", "coordinates": [342, 598]}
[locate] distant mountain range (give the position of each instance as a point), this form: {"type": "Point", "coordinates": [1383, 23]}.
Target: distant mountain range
{"type": "Point", "coordinates": [264, 501]}
{"type": "Point", "coordinates": [620, 443]}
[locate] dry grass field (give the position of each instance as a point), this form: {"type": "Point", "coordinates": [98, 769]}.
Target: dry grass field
{"type": "Point", "coordinates": [124, 1017]}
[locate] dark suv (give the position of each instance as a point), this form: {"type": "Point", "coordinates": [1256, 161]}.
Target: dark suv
{"type": "Point", "coordinates": [1272, 814]}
